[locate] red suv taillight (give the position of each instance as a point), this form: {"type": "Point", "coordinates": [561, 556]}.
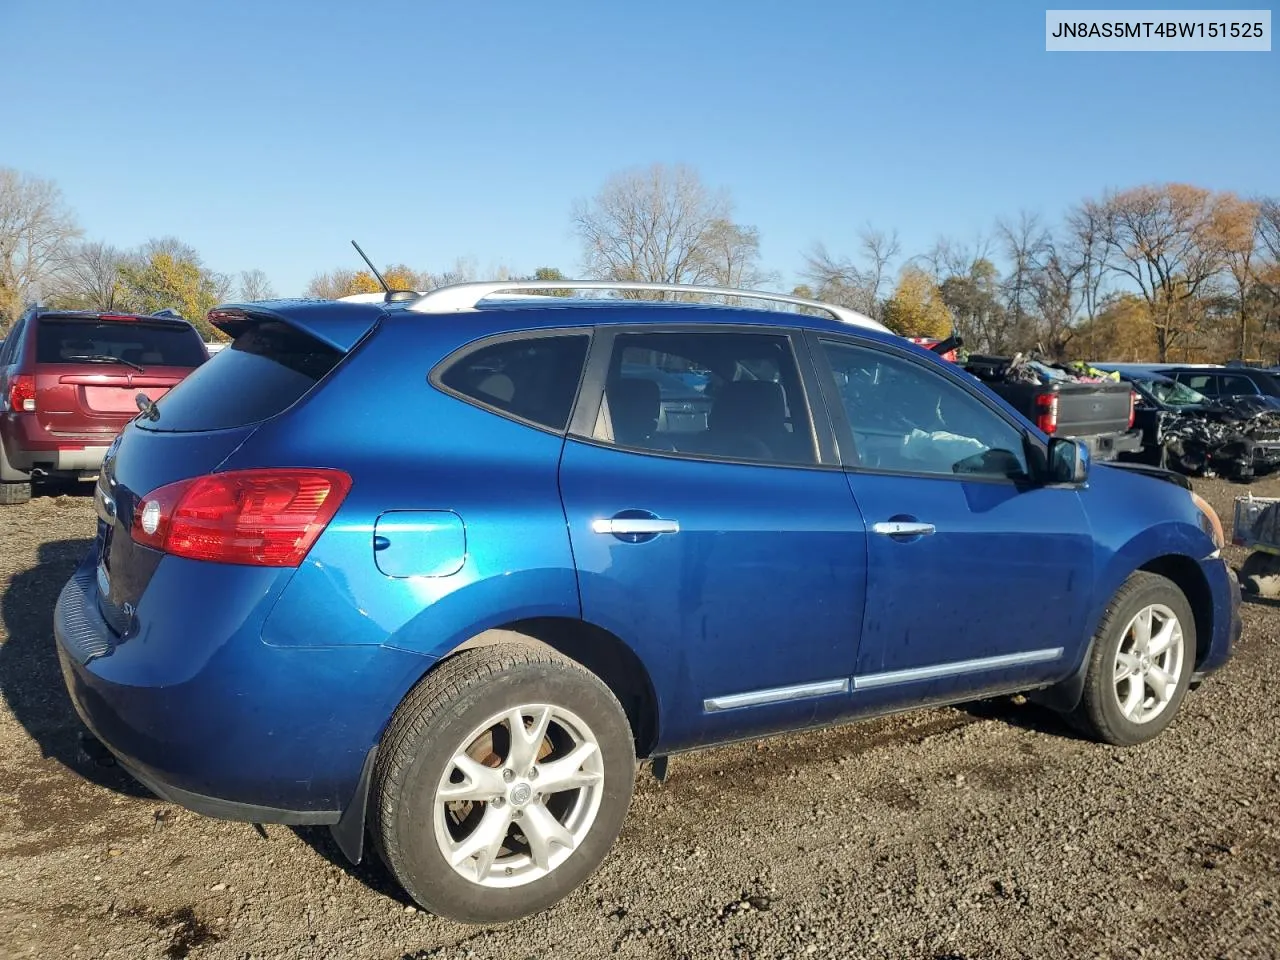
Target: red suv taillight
{"type": "Point", "coordinates": [22, 393]}
{"type": "Point", "coordinates": [261, 518]}
{"type": "Point", "coordinates": [1133, 407]}
{"type": "Point", "coordinates": [1047, 412]}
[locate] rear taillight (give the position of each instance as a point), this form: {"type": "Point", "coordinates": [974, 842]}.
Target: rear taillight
{"type": "Point", "coordinates": [22, 393]}
{"type": "Point", "coordinates": [1133, 407]}
{"type": "Point", "coordinates": [1047, 412]}
{"type": "Point", "coordinates": [261, 518]}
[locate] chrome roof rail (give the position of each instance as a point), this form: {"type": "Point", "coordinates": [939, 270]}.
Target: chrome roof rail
{"type": "Point", "coordinates": [461, 297]}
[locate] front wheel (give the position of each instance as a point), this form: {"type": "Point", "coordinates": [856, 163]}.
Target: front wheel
{"type": "Point", "coordinates": [501, 783]}
{"type": "Point", "coordinates": [1141, 662]}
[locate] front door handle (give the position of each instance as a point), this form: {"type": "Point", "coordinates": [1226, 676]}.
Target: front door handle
{"type": "Point", "coordinates": [635, 525]}
{"type": "Point", "coordinates": [901, 528]}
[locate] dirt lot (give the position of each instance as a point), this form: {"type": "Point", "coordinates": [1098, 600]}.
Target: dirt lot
{"type": "Point", "coordinates": [988, 831]}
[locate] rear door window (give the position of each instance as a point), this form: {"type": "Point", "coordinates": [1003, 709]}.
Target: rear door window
{"type": "Point", "coordinates": [721, 394]}
{"type": "Point", "coordinates": [131, 342]}
{"type": "Point", "coordinates": [264, 371]}
{"type": "Point", "coordinates": [529, 378]}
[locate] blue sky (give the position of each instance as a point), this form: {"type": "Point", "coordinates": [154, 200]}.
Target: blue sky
{"type": "Point", "coordinates": [269, 134]}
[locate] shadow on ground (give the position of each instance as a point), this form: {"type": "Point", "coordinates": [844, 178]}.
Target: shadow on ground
{"type": "Point", "coordinates": [30, 679]}
{"type": "Point", "coordinates": [372, 872]}
{"type": "Point", "coordinates": [1024, 714]}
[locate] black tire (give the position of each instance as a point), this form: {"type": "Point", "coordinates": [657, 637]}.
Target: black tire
{"type": "Point", "coordinates": [435, 720]}
{"type": "Point", "coordinates": [1099, 714]}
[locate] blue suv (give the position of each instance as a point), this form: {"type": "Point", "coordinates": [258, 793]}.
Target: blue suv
{"type": "Point", "coordinates": [437, 572]}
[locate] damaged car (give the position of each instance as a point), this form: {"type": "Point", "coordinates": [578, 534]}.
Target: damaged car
{"type": "Point", "coordinates": [1182, 429]}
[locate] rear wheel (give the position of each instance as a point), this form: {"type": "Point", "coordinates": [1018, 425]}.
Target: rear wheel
{"type": "Point", "coordinates": [501, 783]}
{"type": "Point", "coordinates": [1141, 662]}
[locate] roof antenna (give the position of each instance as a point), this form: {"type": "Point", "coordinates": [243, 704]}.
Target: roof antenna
{"type": "Point", "coordinates": [382, 282]}
{"type": "Point", "coordinates": [391, 296]}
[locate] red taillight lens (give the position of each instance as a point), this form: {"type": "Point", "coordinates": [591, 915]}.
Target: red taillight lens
{"type": "Point", "coordinates": [22, 393]}
{"type": "Point", "coordinates": [1047, 412]}
{"type": "Point", "coordinates": [262, 518]}
{"type": "Point", "coordinates": [1133, 407]}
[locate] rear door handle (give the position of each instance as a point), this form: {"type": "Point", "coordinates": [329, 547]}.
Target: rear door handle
{"type": "Point", "coordinates": [900, 528]}
{"type": "Point", "coordinates": [642, 525]}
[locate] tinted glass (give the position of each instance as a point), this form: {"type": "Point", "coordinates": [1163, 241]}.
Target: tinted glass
{"type": "Point", "coordinates": [1201, 383]}
{"type": "Point", "coordinates": [533, 378]}
{"type": "Point", "coordinates": [1233, 386]}
{"type": "Point", "coordinates": [266, 370]}
{"type": "Point", "coordinates": [143, 344]}
{"type": "Point", "coordinates": [733, 395]}
{"type": "Point", "coordinates": [907, 418]}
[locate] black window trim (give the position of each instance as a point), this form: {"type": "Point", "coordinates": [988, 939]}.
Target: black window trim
{"type": "Point", "coordinates": [591, 392]}
{"type": "Point", "coordinates": [510, 336]}
{"type": "Point", "coordinates": [1035, 450]}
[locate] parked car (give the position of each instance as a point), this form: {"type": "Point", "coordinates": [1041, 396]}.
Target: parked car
{"type": "Point", "coordinates": [1236, 437]}
{"type": "Point", "coordinates": [1218, 382]}
{"type": "Point", "coordinates": [456, 602]}
{"type": "Point", "coordinates": [1099, 414]}
{"type": "Point", "coordinates": [69, 381]}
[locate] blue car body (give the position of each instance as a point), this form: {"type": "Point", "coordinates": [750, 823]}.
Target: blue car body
{"type": "Point", "coordinates": [261, 693]}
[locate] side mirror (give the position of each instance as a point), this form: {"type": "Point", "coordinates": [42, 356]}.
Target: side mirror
{"type": "Point", "coordinates": [1068, 461]}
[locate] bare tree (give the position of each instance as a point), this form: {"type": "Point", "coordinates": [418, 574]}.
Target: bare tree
{"type": "Point", "coordinates": [1024, 244]}
{"type": "Point", "coordinates": [331, 285]}
{"type": "Point", "coordinates": [1163, 239]}
{"type": "Point", "coordinates": [855, 283]}
{"type": "Point", "coordinates": [254, 285]}
{"type": "Point", "coordinates": [36, 230]}
{"type": "Point", "coordinates": [663, 225]}
{"type": "Point", "coordinates": [89, 277]}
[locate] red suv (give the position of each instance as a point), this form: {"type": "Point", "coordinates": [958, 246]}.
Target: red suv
{"type": "Point", "coordinates": [69, 382]}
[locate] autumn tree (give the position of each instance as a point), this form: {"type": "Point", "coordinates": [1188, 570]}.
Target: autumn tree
{"type": "Point", "coordinates": [36, 231]}
{"type": "Point", "coordinates": [916, 308]}
{"type": "Point", "coordinates": [1164, 240]}
{"type": "Point", "coordinates": [162, 280]}
{"type": "Point", "coordinates": [663, 225]}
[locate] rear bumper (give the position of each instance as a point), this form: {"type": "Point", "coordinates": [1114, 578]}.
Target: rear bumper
{"type": "Point", "coordinates": [28, 446]}
{"type": "Point", "coordinates": [1106, 446]}
{"type": "Point", "coordinates": [203, 713]}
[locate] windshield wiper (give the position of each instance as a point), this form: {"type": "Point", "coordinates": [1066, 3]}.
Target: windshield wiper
{"type": "Point", "coordinates": [106, 358]}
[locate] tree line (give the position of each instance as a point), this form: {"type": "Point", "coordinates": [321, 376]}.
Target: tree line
{"type": "Point", "coordinates": [1153, 272]}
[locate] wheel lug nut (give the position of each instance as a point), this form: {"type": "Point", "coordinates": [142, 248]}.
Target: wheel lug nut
{"type": "Point", "coordinates": [518, 814]}
{"type": "Point", "coordinates": [499, 801]}
{"type": "Point", "coordinates": [533, 774]}
{"type": "Point", "coordinates": [508, 775]}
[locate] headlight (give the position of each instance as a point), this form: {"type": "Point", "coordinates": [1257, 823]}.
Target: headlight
{"type": "Point", "coordinates": [1209, 521]}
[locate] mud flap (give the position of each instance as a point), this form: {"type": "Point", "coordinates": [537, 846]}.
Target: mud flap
{"type": "Point", "coordinates": [348, 832]}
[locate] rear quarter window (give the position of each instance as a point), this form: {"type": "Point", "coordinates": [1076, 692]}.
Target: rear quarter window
{"type": "Point", "coordinates": [262, 373]}
{"type": "Point", "coordinates": [530, 378]}
{"type": "Point", "coordinates": [144, 344]}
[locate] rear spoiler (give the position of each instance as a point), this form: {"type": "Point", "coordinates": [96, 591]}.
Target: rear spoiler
{"type": "Point", "coordinates": [339, 325]}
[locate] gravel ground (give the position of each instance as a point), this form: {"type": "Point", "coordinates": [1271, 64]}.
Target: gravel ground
{"type": "Point", "coordinates": [987, 831]}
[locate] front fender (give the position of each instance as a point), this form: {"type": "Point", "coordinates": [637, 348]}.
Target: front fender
{"type": "Point", "coordinates": [1173, 538]}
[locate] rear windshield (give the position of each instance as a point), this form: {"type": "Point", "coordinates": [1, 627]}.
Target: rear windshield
{"type": "Point", "coordinates": [137, 343]}
{"type": "Point", "coordinates": [266, 370]}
